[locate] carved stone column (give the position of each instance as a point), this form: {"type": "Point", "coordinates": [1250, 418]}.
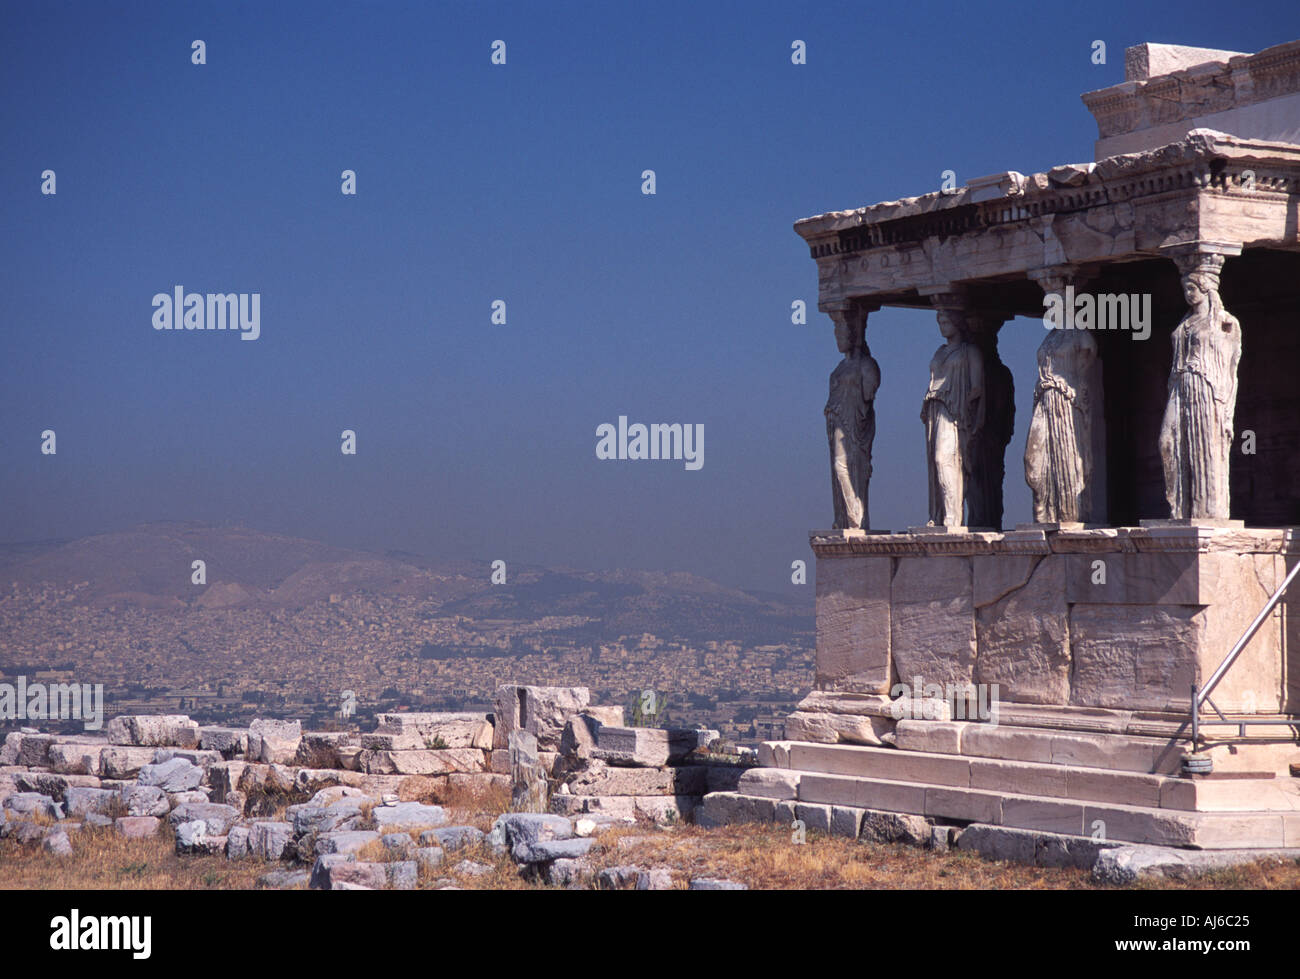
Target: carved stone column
{"type": "Point", "coordinates": [1061, 447]}
{"type": "Point", "coordinates": [851, 415]}
{"type": "Point", "coordinates": [1196, 434]}
{"type": "Point", "coordinates": [953, 412]}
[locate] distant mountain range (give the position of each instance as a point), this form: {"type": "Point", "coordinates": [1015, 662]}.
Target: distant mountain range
{"type": "Point", "coordinates": [150, 566]}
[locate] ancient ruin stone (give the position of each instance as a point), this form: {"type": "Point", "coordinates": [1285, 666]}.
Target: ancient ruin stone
{"type": "Point", "coordinates": [541, 711]}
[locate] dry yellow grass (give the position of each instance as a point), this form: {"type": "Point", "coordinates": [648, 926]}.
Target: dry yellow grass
{"type": "Point", "coordinates": [104, 860]}
{"type": "Point", "coordinates": [484, 801]}
{"type": "Point", "coordinates": [764, 857]}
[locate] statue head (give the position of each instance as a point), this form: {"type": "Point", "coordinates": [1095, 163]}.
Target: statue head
{"type": "Point", "coordinates": [952, 323]}
{"type": "Point", "coordinates": [1200, 275]}
{"type": "Point", "coordinates": [1199, 286]}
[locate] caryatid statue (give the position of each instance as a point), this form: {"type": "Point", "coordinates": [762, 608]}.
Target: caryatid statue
{"type": "Point", "coordinates": [1058, 452]}
{"type": "Point", "coordinates": [953, 414]}
{"type": "Point", "coordinates": [851, 419]}
{"type": "Point", "coordinates": [1196, 434]}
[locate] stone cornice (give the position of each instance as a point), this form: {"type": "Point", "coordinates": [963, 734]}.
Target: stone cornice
{"type": "Point", "coordinates": [1199, 90]}
{"type": "Point", "coordinates": [1202, 162]}
{"type": "Point", "coordinates": [1101, 540]}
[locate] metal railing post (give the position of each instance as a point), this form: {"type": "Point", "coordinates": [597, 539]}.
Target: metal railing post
{"type": "Point", "coordinates": [1196, 719]}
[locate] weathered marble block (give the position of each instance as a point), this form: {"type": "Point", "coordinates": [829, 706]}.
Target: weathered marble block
{"type": "Point", "coordinates": [1167, 620]}
{"type": "Point", "coordinates": [445, 729]}
{"type": "Point", "coordinates": [162, 730]}
{"type": "Point", "coordinates": [1134, 656]}
{"type": "Point", "coordinates": [1236, 587]}
{"type": "Point", "coordinates": [1119, 618]}
{"type": "Point", "coordinates": [933, 620]}
{"type": "Point", "coordinates": [423, 761]}
{"type": "Point", "coordinates": [1150, 578]}
{"type": "Point", "coordinates": [853, 624]}
{"type": "Point", "coordinates": [541, 711]}
{"type": "Point", "coordinates": [1022, 627]}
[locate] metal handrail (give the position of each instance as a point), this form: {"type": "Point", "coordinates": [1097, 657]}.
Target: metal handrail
{"type": "Point", "coordinates": [1203, 694]}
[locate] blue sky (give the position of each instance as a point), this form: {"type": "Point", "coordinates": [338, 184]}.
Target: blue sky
{"type": "Point", "coordinates": [475, 183]}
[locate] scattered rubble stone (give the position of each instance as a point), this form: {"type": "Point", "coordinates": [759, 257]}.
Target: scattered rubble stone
{"type": "Point", "coordinates": [57, 842]}
{"type": "Point", "coordinates": [168, 730]}
{"type": "Point", "coordinates": [655, 879]}
{"type": "Point", "coordinates": [190, 795]}
{"type": "Point", "coordinates": [528, 786]}
{"type": "Point", "coordinates": [23, 831]}
{"type": "Point", "coordinates": [196, 837]}
{"type": "Point", "coordinates": [284, 879]}
{"type": "Point", "coordinates": [527, 828]}
{"type": "Point", "coordinates": [322, 868]}
{"type": "Point", "coordinates": [403, 875]}
{"type": "Point", "coordinates": [345, 841]}
{"type": "Point", "coordinates": [274, 742]}
{"type": "Point", "coordinates": [34, 804]}
{"type": "Point", "coordinates": [82, 802]}
{"type": "Point", "coordinates": [544, 852]}
{"type": "Point", "coordinates": [175, 775]}
{"type": "Point", "coordinates": [237, 842]}
{"type": "Point", "coordinates": [894, 827]}
{"type": "Point", "coordinates": [145, 800]}
{"type": "Point", "coordinates": [219, 818]}
{"type": "Point", "coordinates": [541, 711]}
{"type": "Point", "coordinates": [211, 784]}
{"type": "Point", "coordinates": [429, 857]}
{"type": "Point", "coordinates": [269, 840]}
{"type": "Point", "coordinates": [1127, 864]}
{"type": "Point", "coordinates": [138, 827]}
{"type": "Point", "coordinates": [452, 838]}
{"type": "Point", "coordinates": [226, 741]}
{"type": "Point", "coordinates": [618, 878]}
{"type": "Point", "coordinates": [408, 815]}
{"type": "Point", "coordinates": [564, 872]}
{"type": "Point", "coordinates": [124, 761]}
{"type": "Point", "coordinates": [357, 876]}
{"type": "Point", "coordinates": [399, 844]}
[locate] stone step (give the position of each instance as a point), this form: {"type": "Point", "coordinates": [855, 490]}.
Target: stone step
{"type": "Point", "coordinates": [1265, 747]}
{"type": "Point", "coordinates": [1043, 780]}
{"type": "Point", "coordinates": [1134, 824]}
{"type": "Point", "coordinates": [1093, 720]}
{"type": "Point", "coordinates": [1052, 746]}
{"type": "Point", "coordinates": [1097, 720]}
{"type": "Point", "coordinates": [944, 804]}
{"type": "Point", "coordinates": [1271, 752]}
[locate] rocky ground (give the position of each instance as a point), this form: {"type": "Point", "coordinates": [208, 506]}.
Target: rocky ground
{"type": "Point", "coordinates": [546, 792]}
{"type": "Point", "coordinates": [641, 856]}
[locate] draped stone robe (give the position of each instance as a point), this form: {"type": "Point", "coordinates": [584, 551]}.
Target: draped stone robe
{"type": "Point", "coordinates": [1196, 433]}
{"type": "Point", "coordinates": [1058, 453]}
{"type": "Point", "coordinates": [850, 431]}
{"type": "Point", "coordinates": [953, 411]}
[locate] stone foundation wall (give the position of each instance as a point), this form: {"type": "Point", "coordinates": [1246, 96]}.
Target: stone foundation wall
{"type": "Point", "coordinates": [1116, 618]}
